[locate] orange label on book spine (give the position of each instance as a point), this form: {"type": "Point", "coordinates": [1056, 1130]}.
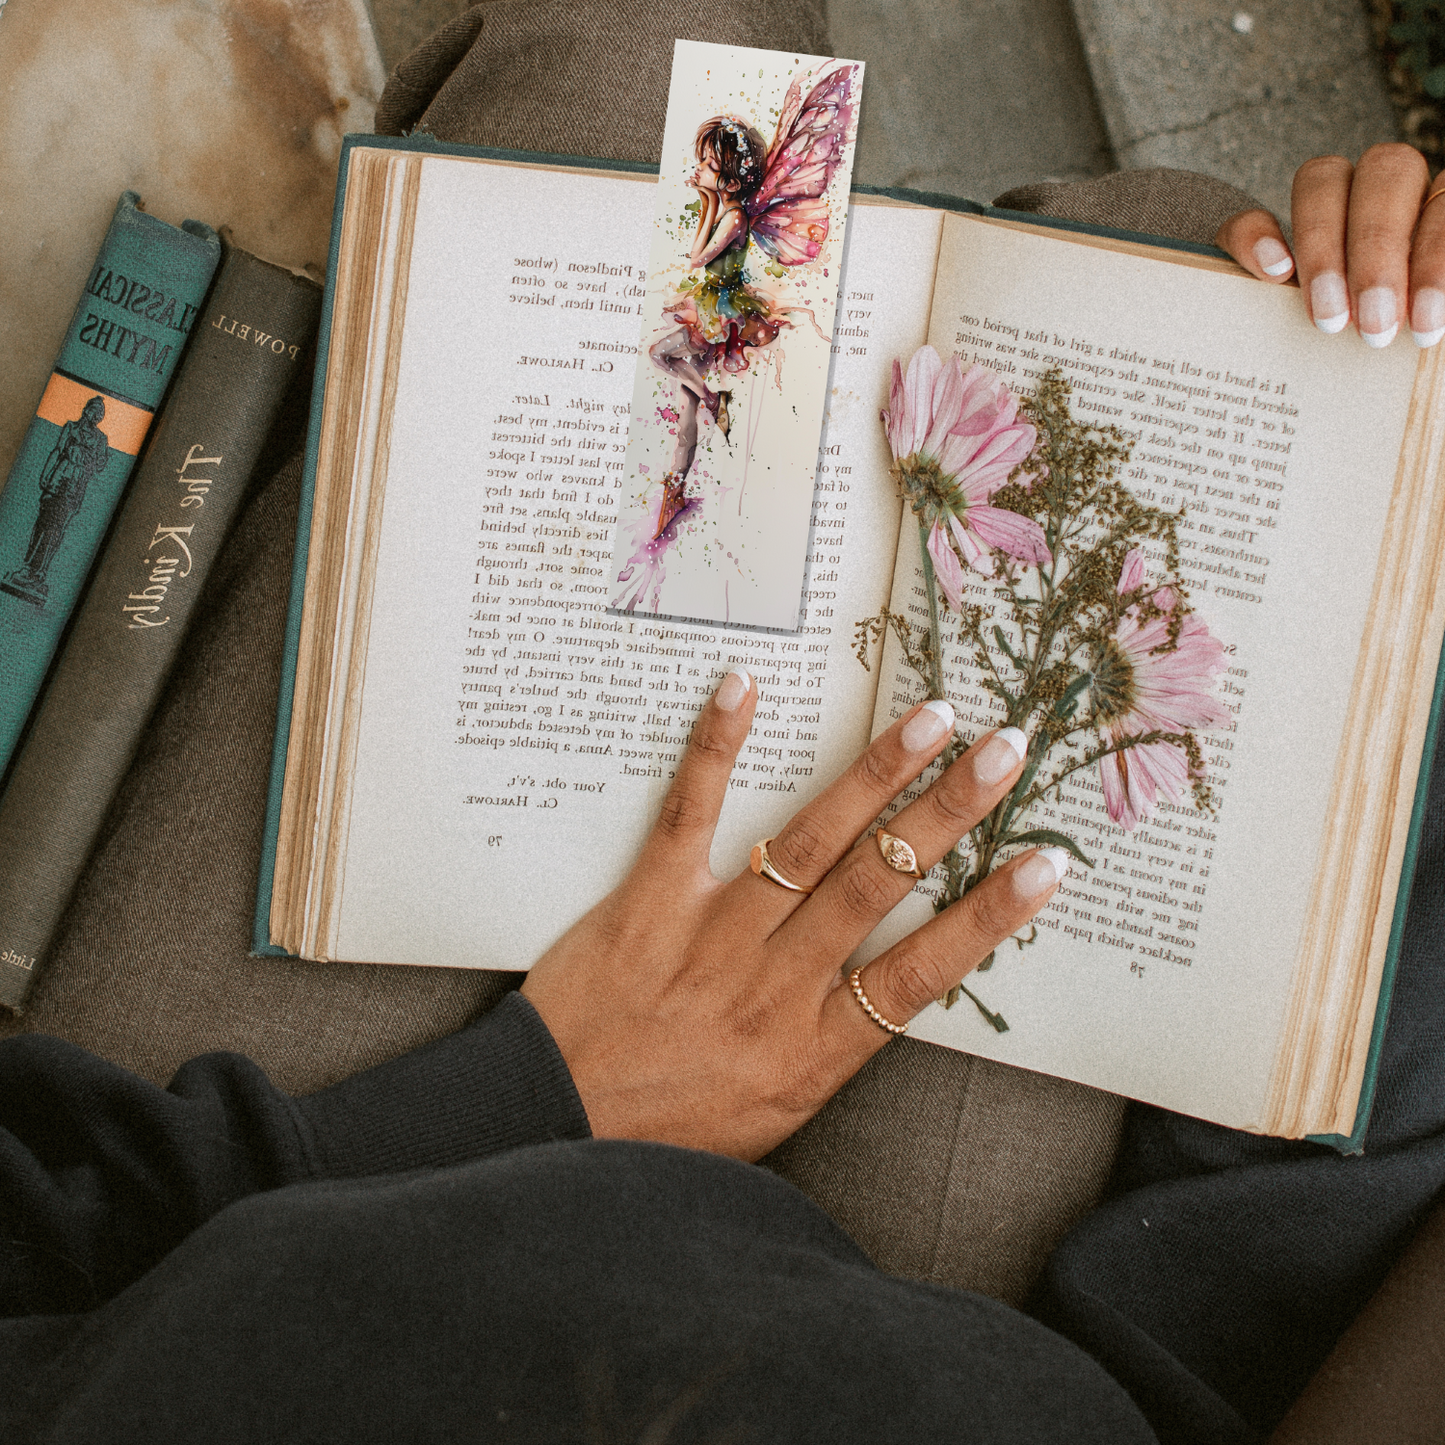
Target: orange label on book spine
{"type": "Point", "coordinates": [124, 424]}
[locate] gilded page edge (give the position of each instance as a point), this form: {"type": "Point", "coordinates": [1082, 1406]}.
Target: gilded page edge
{"type": "Point", "coordinates": [346, 538]}
{"type": "Point", "coordinates": [1310, 1087]}
{"type": "Point", "coordinates": [333, 881]}
{"type": "Point", "coordinates": [1422, 655]}
{"type": "Point", "coordinates": [299, 786]}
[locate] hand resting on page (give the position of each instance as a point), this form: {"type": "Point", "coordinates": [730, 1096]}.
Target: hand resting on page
{"type": "Point", "coordinates": [1369, 244]}
{"type": "Point", "coordinates": [715, 1013]}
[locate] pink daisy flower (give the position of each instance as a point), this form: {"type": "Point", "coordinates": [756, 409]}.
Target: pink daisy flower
{"type": "Point", "coordinates": [1143, 684]}
{"type": "Point", "coordinates": [955, 437]}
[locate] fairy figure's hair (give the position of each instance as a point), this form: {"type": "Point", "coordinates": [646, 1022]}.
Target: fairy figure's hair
{"type": "Point", "coordinates": [740, 152]}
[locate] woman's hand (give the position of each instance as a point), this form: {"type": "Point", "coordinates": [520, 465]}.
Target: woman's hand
{"type": "Point", "coordinates": [1369, 244]}
{"type": "Point", "coordinates": [715, 1014]}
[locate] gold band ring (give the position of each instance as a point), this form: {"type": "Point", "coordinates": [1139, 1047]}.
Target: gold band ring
{"type": "Point", "coordinates": [762, 865]}
{"type": "Point", "coordinates": [855, 982]}
{"type": "Point", "coordinates": [1434, 195]}
{"type": "Point", "coordinates": [898, 855]}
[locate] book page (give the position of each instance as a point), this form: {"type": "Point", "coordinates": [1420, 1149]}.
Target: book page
{"type": "Point", "coordinates": [515, 737]}
{"type": "Point", "coordinates": [1164, 972]}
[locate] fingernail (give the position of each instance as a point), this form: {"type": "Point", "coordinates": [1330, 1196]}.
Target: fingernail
{"type": "Point", "coordinates": [999, 756]}
{"type": "Point", "coordinates": [734, 688]}
{"type": "Point", "coordinates": [934, 720]}
{"type": "Point", "coordinates": [1273, 259]}
{"type": "Point", "coordinates": [1378, 323]}
{"type": "Point", "coordinates": [1038, 874]}
{"type": "Point", "coordinates": [1330, 302]}
{"type": "Point", "coordinates": [1427, 319]}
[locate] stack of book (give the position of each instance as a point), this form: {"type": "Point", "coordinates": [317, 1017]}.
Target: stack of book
{"type": "Point", "coordinates": [173, 370]}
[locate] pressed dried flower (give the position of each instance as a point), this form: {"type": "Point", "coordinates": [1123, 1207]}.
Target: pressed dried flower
{"type": "Point", "coordinates": [955, 437]}
{"type": "Point", "coordinates": [1145, 682]}
{"type": "Point", "coordinates": [1076, 646]}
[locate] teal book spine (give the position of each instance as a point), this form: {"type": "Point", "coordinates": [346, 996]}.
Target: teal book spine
{"type": "Point", "coordinates": [122, 347]}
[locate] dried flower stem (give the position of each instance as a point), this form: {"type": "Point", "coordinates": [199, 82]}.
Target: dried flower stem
{"type": "Point", "coordinates": [1070, 630]}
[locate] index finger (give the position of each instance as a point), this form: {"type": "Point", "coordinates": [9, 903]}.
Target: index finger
{"type": "Point", "coordinates": [682, 835]}
{"type": "Point", "coordinates": [1255, 240]}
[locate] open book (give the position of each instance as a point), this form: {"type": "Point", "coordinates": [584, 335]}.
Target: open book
{"type": "Point", "coordinates": [472, 747]}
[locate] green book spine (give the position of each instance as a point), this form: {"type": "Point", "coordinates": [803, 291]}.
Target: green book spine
{"type": "Point", "coordinates": [122, 348]}
{"type": "Point", "coordinates": [253, 337]}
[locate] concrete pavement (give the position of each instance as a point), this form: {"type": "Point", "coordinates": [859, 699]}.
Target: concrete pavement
{"type": "Point", "coordinates": [974, 96]}
{"type": "Point", "coordinates": [1238, 89]}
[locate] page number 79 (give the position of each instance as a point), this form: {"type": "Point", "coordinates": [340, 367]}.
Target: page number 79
{"type": "Point", "coordinates": [494, 840]}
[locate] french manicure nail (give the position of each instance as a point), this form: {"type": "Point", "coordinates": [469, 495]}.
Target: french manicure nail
{"type": "Point", "coordinates": [1016, 740]}
{"type": "Point", "coordinates": [1427, 318]}
{"type": "Point", "coordinates": [932, 722]}
{"type": "Point", "coordinates": [1273, 259]}
{"type": "Point", "coordinates": [1378, 322]}
{"type": "Point", "coordinates": [1037, 874]}
{"type": "Point", "coordinates": [999, 756]}
{"type": "Point", "coordinates": [1330, 302]}
{"type": "Point", "coordinates": [734, 688]}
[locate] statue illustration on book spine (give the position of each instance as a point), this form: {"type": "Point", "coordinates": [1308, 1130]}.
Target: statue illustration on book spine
{"type": "Point", "coordinates": [80, 453]}
{"type": "Point", "coordinates": [763, 214]}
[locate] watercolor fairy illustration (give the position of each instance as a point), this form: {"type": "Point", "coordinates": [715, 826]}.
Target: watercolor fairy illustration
{"type": "Point", "coordinates": [1036, 564]}
{"type": "Point", "coordinates": [754, 199]}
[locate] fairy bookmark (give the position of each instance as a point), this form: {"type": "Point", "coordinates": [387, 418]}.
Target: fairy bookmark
{"type": "Point", "coordinates": [737, 336]}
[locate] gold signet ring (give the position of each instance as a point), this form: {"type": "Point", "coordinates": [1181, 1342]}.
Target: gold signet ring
{"type": "Point", "coordinates": [898, 855]}
{"type": "Point", "coordinates": [762, 865]}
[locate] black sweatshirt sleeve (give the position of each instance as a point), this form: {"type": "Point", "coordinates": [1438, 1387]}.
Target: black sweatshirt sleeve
{"type": "Point", "coordinates": [102, 1173]}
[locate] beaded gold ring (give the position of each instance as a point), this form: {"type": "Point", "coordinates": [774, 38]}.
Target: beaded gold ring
{"type": "Point", "coordinates": [855, 982]}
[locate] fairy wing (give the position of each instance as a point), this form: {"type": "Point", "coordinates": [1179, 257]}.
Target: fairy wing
{"type": "Point", "coordinates": [793, 231]}
{"type": "Point", "coordinates": [788, 213]}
